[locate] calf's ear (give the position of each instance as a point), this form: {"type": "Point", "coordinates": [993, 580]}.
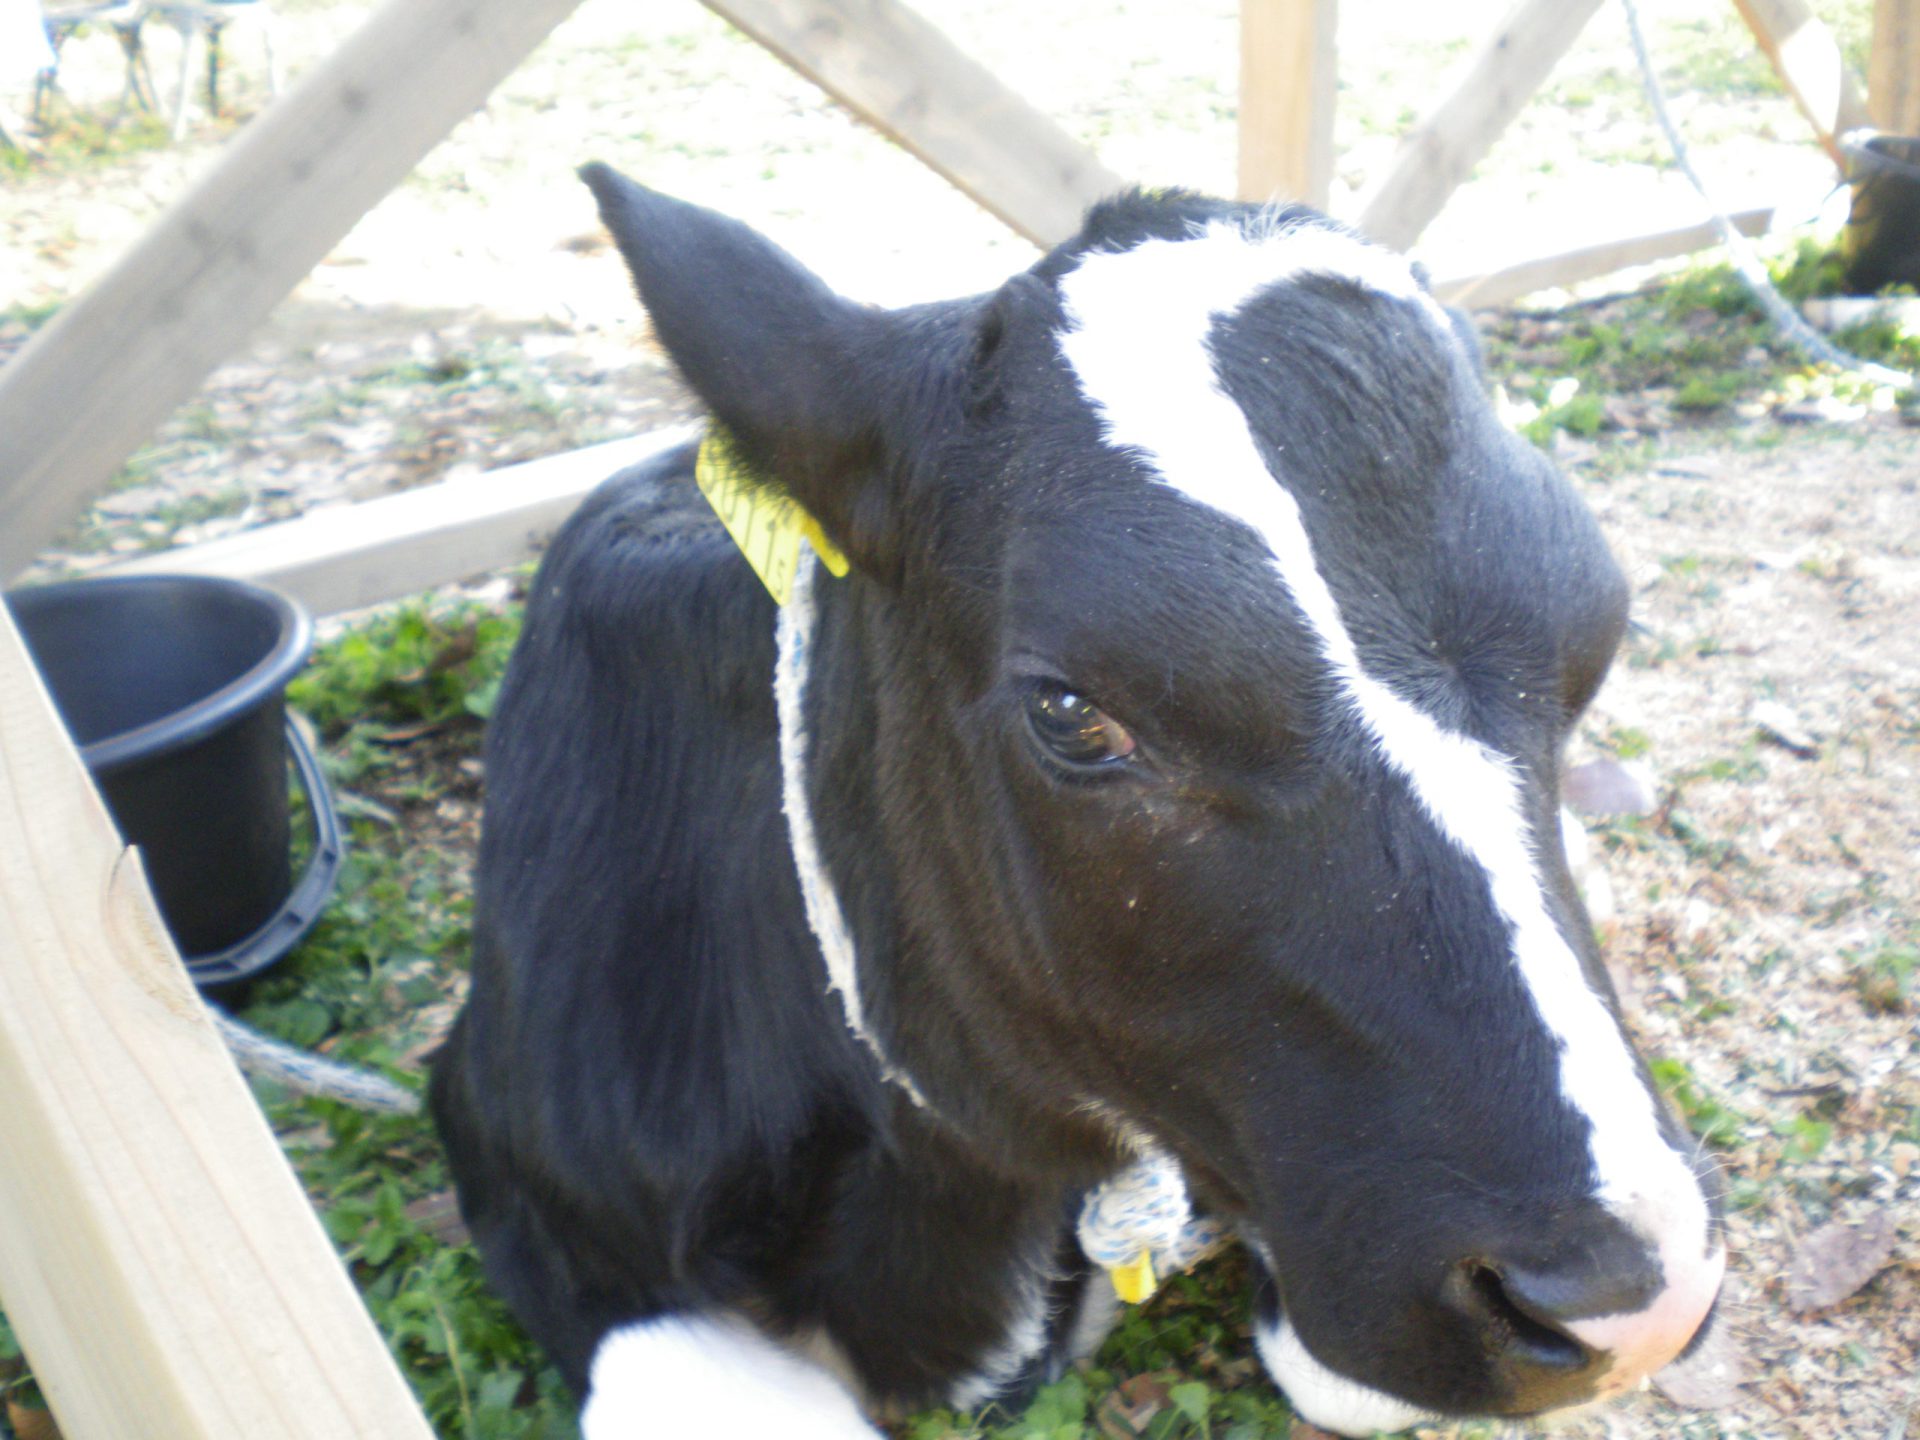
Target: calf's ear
{"type": "Point", "coordinates": [776, 355]}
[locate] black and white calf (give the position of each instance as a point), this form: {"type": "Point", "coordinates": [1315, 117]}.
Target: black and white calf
{"type": "Point", "coordinates": [1174, 773]}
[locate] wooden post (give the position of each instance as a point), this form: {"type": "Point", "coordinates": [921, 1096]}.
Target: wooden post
{"type": "Point", "coordinates": [96, 381]}
{"type": "Point", "coordinates": [1808, 60]}
{"type": "Point", "coordinates": [1288, 70]}
{"type": "Point", "coordinates": [1893, 67]}
{"type": "Point", "coordinates": [1440, 152]}
{"type": "Point", "coordinates": [903, 76]}
{"type": "Point", "coordinates": [158, 1260]}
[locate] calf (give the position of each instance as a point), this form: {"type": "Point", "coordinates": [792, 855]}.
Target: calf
{"type": "Point", "coordinates": [1173, 774]}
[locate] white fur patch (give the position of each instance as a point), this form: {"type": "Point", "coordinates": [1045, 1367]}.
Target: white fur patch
{"type": "Point", "coordinates": [793, 638]}
{"type": "Point", "coordinates": [1026, 1337]}
{"type": "Point", "coordinates": [704, 1375]}
{"type": "Point", "coordinates": [1323, 1398]}
{"type": "Point", "coordinates": [1137, 339]}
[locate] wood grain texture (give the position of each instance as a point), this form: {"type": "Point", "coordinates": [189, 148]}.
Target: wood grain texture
{"type": "Point", "coordinates": [159, 1263]}
{"type": "Point", "coordinates": [1589, 262]}
{"type": "Point", "coordinates": [352, 556]}
{"type": "Point", "coordinates": [97, 380]}
{"type": "Point", "coordinates": [1809, 63]}
{"type": "Point", "coordinates": [1289, 69]}
{"type": "Point", "coordinates": [1893, 67]}
{"type": "Point", "coordinates": [1436, 156]}
{"type": "Point", "coordinates": [907, 79]}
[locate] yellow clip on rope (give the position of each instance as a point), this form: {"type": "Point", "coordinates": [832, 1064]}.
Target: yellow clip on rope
{"type": "Point", "coordinates": [1135, 1282]}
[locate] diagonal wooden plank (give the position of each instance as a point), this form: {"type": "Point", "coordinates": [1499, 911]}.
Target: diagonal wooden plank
{"type": "Point", "coordinates": [96, 381]}
{"type": "Point", "coordinates": [1808, 60]}
{"type": "Point", "coordinates": [899, 73]}
{"type": "Point", "coordinates": [163, 1270]}
{"type": "Point", "coordinates": [1288, 74]}
{"type": "Point", "coordinates": [1438, 154]}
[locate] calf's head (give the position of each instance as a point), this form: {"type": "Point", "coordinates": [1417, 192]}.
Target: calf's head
{"type": "Point", "coordinates": [1222, 647]}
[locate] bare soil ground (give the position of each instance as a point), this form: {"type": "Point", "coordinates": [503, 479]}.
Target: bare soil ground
{"type": "Point", "coordinates": [1767, 925]}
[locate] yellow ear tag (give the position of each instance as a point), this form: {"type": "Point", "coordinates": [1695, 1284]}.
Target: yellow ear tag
{"type": "Point", "coordinates": [1135, 1282]}
{"type": "Point", "coordinates": [767, 524]}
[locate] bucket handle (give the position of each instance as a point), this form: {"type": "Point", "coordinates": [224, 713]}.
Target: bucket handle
{"type": "Point", "coordinates": [242, 959]}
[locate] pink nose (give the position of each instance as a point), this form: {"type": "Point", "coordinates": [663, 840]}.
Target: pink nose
{"type": "Point", "coordinates": [1595, 1319]}
{"type": "Point", "coordinates": [1648, 1339]}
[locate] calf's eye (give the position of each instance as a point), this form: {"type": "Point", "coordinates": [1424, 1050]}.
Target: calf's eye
{"type": "Point", "coordinates": [1075, 731]}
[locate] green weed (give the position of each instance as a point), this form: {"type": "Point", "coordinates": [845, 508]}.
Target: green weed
{"type": "Point", "coordinates": [1886, 979]}
{"type": "Point", "coordinates": [1716, 1124]}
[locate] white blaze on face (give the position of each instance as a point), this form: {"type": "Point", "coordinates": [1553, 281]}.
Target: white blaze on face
{"type": "Point", "coordinates": [1137, 341]}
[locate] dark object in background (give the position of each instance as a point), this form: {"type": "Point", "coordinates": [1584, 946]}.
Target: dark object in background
{"type": "Point", "coordinates": [1882, 239]}
{"type": "Point", "coordinates": [173, 687]}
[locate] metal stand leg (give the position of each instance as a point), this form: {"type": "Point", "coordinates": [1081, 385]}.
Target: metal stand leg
{"type": "Point", "coordinates": [192, 35]}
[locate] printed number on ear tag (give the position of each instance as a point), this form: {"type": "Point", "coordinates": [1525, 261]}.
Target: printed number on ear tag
{"type": "Point", "coordinates": [766, 524]}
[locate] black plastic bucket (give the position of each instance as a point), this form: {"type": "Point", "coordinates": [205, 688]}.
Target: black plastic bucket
{"type": "Point", "coordinates": [173, 687]}
{"type": "Point", "coordinates": [1881, 242]}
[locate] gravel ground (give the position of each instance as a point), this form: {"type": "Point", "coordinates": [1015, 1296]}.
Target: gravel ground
{"type": "Point", "coordinates": [1765, 926]}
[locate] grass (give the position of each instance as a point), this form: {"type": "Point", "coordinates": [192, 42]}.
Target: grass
{"type": "Point", "coordinates": [1689, 352]}
{"type": "Point", "coordinates": [74, 140]}
{"type": "Point", "coordinates": [398, 704]}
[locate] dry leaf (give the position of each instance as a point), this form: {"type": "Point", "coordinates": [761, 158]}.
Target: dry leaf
{"type": "Point", "coordinates": [1126, 1413]}
{"type": "Point", "coordinates": [1784, 728]}
{"type": "Point", "coordinates": [1836, 1260]}
{"type": "Point", "coordinates": [1301, 1430]}
{"type": "Point", "coordinates": [1710, 1378]}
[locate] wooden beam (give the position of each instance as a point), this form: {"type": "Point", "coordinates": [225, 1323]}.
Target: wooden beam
{"type": "Point", "coordinates": [161, 1267]}
{"type": "Point", "coordinates": [97, 380]}
{"type": "Point", "coordinates": [1808, 60]}
{"type": "Point", "coordinates": [1438, 154]}
{"type": "Point", "coordinates": [907, 79]}
{"type": "Point", "coordinates": [1893, 67]}
{"type": "Point", "coordinates": [1289, 66]}
{"type": "Point", "coordinates": [1588, 262]}
{"type": "Point", "coordinates": [352, 556]}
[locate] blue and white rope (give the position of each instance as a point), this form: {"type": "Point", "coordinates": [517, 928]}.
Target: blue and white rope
{"type": "Point", "coordinates": [1145, 1210]}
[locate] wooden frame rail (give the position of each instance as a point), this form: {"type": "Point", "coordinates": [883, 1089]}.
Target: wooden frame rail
{"type": "Point", "coordinates": [352, 556]}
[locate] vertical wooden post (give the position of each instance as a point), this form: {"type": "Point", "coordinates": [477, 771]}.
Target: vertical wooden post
{"type": "Point", "coordinates": [158, 1260]}
{"type": "Point", "coordinates": [1288, 70]}
{"type": "Point", "coordinates": [1893, 67]}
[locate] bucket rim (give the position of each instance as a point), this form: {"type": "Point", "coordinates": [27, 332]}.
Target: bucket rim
{"type": "Point", "coordinates": [213, 712]}
{"type": "Point", "coordinates": [1862, 145]}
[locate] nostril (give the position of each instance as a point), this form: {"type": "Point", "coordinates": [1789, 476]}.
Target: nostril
{"type": "Point", "coordinates": [1518, 1326]}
